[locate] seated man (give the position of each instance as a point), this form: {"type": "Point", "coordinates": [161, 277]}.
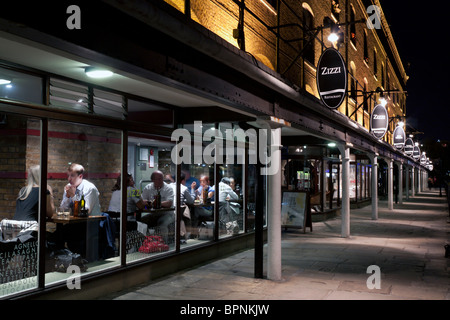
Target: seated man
{"type": "Point", "coordinates": [226, 195]}
{"type": "Point", "coordinates": [160, 219]}
{"type": "Point", "coordinates": [77, 187]}
{"type": "Point", "coordinates": [77, 235]}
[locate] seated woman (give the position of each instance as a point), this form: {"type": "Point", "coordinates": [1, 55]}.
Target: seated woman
{"type": "Point", "coordinates": [134, 200]}
{"type": "Point", "coordinates": [27, 203]}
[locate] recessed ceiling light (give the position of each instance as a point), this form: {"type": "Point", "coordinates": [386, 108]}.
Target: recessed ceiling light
{"type": "Point", "coordinates": [4, 81]}
{"type": "Point", "coordinates": [97, 73]}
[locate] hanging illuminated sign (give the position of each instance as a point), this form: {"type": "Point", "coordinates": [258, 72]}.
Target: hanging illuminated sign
{"type": "Point", "coordinates": [379, 121]}
{"type": "Point", "coordinates": [409, 147]}
{"type": "Point", "coordinates": [416, 153]}
{"type": "Point", "coordinates": [331, 78]}
{"type": "Point", "coordinates": [423, 159]}
{"type": "Point", "coordinates": [399, 137]}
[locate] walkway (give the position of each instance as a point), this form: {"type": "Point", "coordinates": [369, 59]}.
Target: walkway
{"type": "Point", "coordinates": [407, 244]}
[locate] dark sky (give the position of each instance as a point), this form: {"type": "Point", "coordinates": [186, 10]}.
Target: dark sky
{"type": "Point", "coordinates": [421, 31]}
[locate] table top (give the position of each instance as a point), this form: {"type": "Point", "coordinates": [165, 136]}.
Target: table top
{"type": "Point", "coordinates": [158, 210]}
{"type": "Point", "coordinates": [201, 204]}
{"type": "Point", "coordinates": [71, 219]}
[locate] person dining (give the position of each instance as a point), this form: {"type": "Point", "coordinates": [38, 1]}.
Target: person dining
{"type": "Point", "coordinates": [77, 187]}
{"type": "Point", "coordinates": [134, 200]}
{"type": "Point", "coordinates": [163, 218]}
{"type": "Point", "coordinates": [27, 203]}
{"type": "Point", "coordinates": [226, 196]}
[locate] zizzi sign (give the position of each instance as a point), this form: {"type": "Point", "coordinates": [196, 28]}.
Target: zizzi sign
{"type": "Point", "coordinates": [379, 121]}
{"type": "Point", "coordinates": [416, 153]}
{"type": "Point", "coordinates": [399, 137]}
{"type": "Point", "coordinates": [409, 147]}
{"type": "Point", "coordinates": [331, 78]}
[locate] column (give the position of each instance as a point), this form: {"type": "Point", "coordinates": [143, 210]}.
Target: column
{"type": "Point", "coordinates": [374, 178]}
{"type": "Point", "coordinates": [345, 206]}
{"type": "Point", "coordinates": [274, 206]}
{"type": "Point", "coordinates": [407, 182]}
{"type": "Point", "coordinates": [400, 182]}
{"type": "Point", "coordinates": [390, 163]}
{"type": "Point", "coordinates": [413, 188]}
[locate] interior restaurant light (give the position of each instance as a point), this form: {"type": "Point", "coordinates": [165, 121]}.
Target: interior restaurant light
{"type": "Point", "coordinates": [97, 73]}
{"type": "Point", "coordinates": [4, 81]}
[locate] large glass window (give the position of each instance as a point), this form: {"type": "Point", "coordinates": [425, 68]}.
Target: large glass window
{"type": "Point", "coordinates": [151, 198]}
{"type": "Point", "coordinates": [84, 163]}
{"type": "Point", "coordinates": [19, 198]}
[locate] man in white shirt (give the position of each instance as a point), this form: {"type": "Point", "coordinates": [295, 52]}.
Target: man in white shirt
{"type": "Point", "coordinates": [161, 219]}
{"type": "Point", "coordinates": [77, 187]}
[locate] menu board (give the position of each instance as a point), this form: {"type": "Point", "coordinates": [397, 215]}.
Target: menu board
{"type": "Point", "coordinates": [295, 210]}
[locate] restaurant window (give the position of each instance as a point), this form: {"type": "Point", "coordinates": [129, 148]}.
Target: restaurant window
{"type": "Point", "coordinates": [84, 163]}
{"type": "Point", "coordinates": [20, 86]}
{"type": "Point", "coordinates": [151, 198]}
{"type": "Point", "coordinates": [20, 193]}
{"type": "Point", "coordinates": [200, 173]}
{"type": "Point", "coordinates": [231, 182]}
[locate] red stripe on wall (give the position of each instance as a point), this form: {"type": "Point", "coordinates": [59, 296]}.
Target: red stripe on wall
{"type": "Point", "coordinates": [58, 175]}
{"type": "Point", "coordinates": [60, 135]}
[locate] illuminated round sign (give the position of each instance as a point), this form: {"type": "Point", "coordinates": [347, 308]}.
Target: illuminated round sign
{"type": "Point", "coordinates": [409, 147]}
{"type": "Point", "coordinates": [331, 78]}
{"type": "Point", "coordinates": [416, 153]}
{"type": "Point", "coordinates": [399, 137]}
{"type": "Point", "coordinates": [379, 121]}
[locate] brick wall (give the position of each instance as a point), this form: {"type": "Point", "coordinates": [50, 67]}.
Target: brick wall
{"type": "Point", "coordinates": [97, 149]}
{"type": "Point", "coordinates": [221, 17]}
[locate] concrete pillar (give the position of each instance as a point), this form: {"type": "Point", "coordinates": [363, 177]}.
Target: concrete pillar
{"type": "Point", "coordinates": [413, 187]}
{"type": "Point", "coordinates": [374, 178]}
{"type": "Point", "coordinates": [323, 184]}
{"type": "Point", "coordinates": [390, 163]}
{"type": "Point", "coordinates": [400, 182]}
{"type": "Point", "coordinates": [274, 213]}
{"type": "Point", "coordinates": [407, 182]}
{"type": "Point", "coordinates": [345, 208]}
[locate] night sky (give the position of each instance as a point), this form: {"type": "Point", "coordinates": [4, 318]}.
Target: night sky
{"type": "Point", "coordinates": [422, 32]}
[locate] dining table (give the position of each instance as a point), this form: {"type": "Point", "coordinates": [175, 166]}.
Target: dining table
{"type": "Point", "coordinates": [90, 233]}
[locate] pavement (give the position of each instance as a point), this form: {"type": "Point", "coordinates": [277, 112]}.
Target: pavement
{"type": "Point", "coordinates": [405, 248]}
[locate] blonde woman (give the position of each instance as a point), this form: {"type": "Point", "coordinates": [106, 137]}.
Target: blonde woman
{"type": "Point", "coordinates": [27, 203]}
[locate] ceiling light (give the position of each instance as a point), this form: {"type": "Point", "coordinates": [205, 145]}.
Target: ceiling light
{"type": "Point", "coordinates": [332, 144]}
{"type": "Point", "coordinates": [4, 81]}
{"type": "Point", "coordinates": [97, 73]}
